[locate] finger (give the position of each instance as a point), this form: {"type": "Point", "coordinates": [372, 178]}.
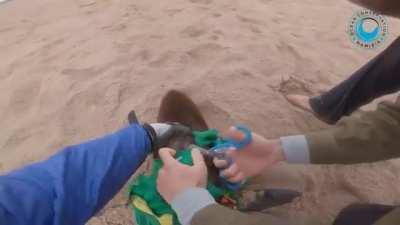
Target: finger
{"type": "Point", "coordinates": [167, 156]}
{"type": "Point", "coordinates": [198, 159]}
{"type": "Point", "coordinates": [236, 134]}
{"type": "Point", "coordinates": [237, 178]}
{"type": "Point", "coordinates": [232, 171]}
{"type": "Point", "coordinates": [231, 152]}
{"type": "Point", "coordinates": [220, 163]}
{"type": "Point", "coordinates": [161, 171]}
{"type": "Point", "coordinates": [160, 175]}
{"type": "Point", "coordinates": [160, 180]}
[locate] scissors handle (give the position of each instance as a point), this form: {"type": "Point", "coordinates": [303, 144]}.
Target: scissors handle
{"type": "Point", "coordinates": [230, 185]}
{"type": "Point", "coordinates": [242, 143]}
{"type": "Point", "coordinates": [238, 145]}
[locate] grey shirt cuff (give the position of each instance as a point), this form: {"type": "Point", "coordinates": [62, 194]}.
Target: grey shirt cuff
{"type": "Point", "coordinates": [189, 202]}
{"type": "Point", "coordinates": [296, 149]}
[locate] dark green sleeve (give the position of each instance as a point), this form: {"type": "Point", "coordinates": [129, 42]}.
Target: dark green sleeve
{"type": "Point", "coordinates": [365, 137]}
{"type": "Point", "coordinates": [219, 215]}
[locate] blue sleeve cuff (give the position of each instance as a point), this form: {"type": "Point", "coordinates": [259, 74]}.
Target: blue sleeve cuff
{"type": "Point", "coordinates": [189, 202]}
{"type": "Point", "coordinates": [296, 149]}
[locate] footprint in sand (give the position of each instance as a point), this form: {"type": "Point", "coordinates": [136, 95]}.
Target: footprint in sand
{"type": "Point", "coordinates": [20, 135]}
{"type": "Point", "coordinates": [88, 100]}
{"type": "Point", "coordinates": [193, 31]}
{"type": "Point", "coordinates": [22, 99]}
{"type": "Point", "coordinates": [294, 85]}
{"type": "Point", "coordinates": [16, 138]}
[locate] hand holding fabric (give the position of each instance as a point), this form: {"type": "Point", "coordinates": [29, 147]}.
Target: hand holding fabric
{"type": "Point", "coordinates": [175, 177]}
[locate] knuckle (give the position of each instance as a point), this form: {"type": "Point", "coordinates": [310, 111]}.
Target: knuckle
{"type": "Point", "coordinates": [163, 149]}
{"type": "Point", "coordinates": [228, 173]}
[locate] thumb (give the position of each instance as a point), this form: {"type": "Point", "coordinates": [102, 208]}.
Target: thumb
{"type": "Point", "coordinates": [231, 153]}
{"type": "Point", "coordinates": [198, 159]}
{"type": "Point", "coordinates": [235, 134]}
{"type": "Point", "coordinates": [167, 156]}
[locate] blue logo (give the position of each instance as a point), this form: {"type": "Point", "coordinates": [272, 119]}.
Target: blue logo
{"type": "Point", "coordinates": [367, 29]}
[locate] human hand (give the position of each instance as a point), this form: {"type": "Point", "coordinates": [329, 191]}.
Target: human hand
{"type": "Point", "coordinates": [250, 161]}
{"type": "Point", "coordinates": [175, 177]}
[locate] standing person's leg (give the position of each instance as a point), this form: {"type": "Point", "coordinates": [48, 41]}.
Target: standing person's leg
{"type": "Point", "coordinates": [378, 77]}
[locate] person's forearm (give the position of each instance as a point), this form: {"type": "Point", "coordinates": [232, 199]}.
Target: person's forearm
{"type": "Point", "coordinates": [295, 149]}
{"type": "Point", "coordinates": [189, 202]}
{"type": "Point", "coordinates": [197, 207]}
{"type": "Point", "coordinates": [74, 184]}
{"type": "Point", "coordinates": [369, 137]}
{"type": "Point", "coordinates": [218, 214]}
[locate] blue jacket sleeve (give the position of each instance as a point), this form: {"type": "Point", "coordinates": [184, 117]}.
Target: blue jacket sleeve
{"type": "Point", "coordinates": [71, 186]}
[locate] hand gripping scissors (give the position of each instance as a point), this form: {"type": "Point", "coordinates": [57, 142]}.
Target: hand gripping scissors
{"type": "Point", "coordinates": [219, 150]}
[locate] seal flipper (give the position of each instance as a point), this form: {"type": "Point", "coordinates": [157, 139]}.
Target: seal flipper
{"type": "Point", "coordinates": [132, 118]}
{"type": "Point", "coordinates": [269, 198]}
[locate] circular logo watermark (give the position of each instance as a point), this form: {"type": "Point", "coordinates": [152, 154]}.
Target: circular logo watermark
{"type": "Point", "coordinates": [367, 29]}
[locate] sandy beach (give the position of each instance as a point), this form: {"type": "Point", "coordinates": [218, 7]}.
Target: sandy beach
{"type": "Point", "coordinates": [72, 70]}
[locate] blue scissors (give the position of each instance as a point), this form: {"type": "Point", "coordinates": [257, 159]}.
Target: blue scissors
{"type": "Point", "coordinates": [219, 150]}
{"type": "Point", "coordinates": [232, 143]}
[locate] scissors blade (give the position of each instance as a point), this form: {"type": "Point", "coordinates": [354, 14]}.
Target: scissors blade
{"type": "Point", "coordinates": [203, 151]}
{"type": "Point", "coordinates": [209, 153]}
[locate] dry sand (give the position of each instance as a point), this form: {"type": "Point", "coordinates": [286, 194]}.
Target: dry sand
{"type": "Point", "coordinates": [71, 70]}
